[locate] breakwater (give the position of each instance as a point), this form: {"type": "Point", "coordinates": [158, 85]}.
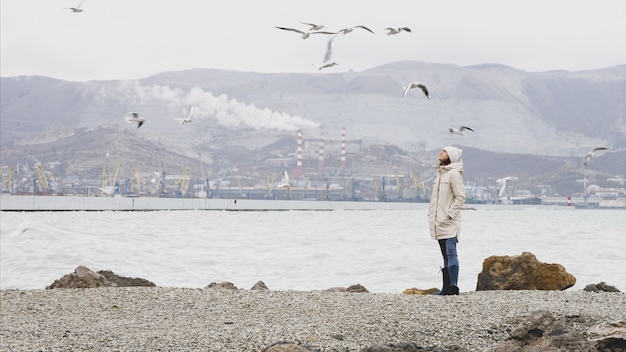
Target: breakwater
{"type": "Point", "coordinates": [76, 203]}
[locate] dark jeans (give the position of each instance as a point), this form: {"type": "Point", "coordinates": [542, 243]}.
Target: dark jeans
{"type": "Point", "coordinates": [448, 250]}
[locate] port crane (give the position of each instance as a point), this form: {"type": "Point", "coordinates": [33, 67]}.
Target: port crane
{"type": "Point", "coordinates": [8, 180]}
{"type": "Point", "coordinates": [183, 183]}
{"type": "Point", "coordinates": [136, 181]}
{"type": "Point", "coordinates": [419, 184]}
{"type": "Point", "coordinates": [107, 183]}
{"type": "Point", "coordinates": [331, 180]}
{"type": "Point", "coordinates": [42, 180]}
{"type": "Point", "coordinates": [270, 181]}
{"type": "Point", "coordinates": [398, 184]}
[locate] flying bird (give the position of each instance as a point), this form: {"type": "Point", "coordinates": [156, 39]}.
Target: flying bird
{"type": "Point", "coordinates": [502, 182]}
{"type": "Point", "coordinates": [134, 117]}
{"type": "Point", "coordinates": [187, 119]}
{"type": "Point", "coordinates": [589, 155]}
{"type": "Point", "coordinates": [329, 49]}
{"type": "Point", "coordinates": [350, 29]}
{"type": "Point", "coordinates": [416, 85]}
{"type": "Point", "coordinates": [460, 130]}
{"type": "Point", "coordinates": [392, 31]}
{"type": "Point", "coordinates": [314, 27]}
{"type": "Point", "coordinates": [330, 64]}
{"type": "Point", "coordinates": [77, 8]}
{"type": "Point", "coordinates": [305, 35]}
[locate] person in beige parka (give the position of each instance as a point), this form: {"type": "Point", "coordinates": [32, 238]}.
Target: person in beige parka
{"type": "Point", "coordinates": [444, 214]}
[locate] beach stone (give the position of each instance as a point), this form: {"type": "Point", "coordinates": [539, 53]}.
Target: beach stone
{"type": "Point", "coordinates": [121, 281]}
{"type": "Point", "coordinates": [609, 336]}
{"type": "Point", "coordinates": [542, 331]}
{"type": "Point", "coordinates": [222, 285]}
{"type": "Point", "coordinates": [601, 287]}
{"type": "Point", "coordinates": [356, 288]}
{"type": "Point", "coordinates": [411, 347]}
{"type": "Point", "coordinates": [522, 272]}
{"type": "Point", "coordinates": [353, 288]}
{"type": "Point", "coordinates": [418, 291]}
{"type": "Point", "coordinates": [82, 277]}
{"type": "Point", "coordinates": [259, 286]}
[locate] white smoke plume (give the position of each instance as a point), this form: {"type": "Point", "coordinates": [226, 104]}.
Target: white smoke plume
{"type": "Point", "coordinates": [227, 112]}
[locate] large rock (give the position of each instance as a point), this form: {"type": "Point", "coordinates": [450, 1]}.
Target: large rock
{"type": "Point", "coordinates": [419, 291]}
{"type": "Point", "coordinates": [121, 281]}
{"type": "Point", "coordinates": [522, 272]}
{"type": "Point", "coordinates": [225, 285]}
{"type": "Point", "coordinates": [601, 287]}
{"type": "Point", "coordinates": [82, 277]}
{"type": "Point", "coordinates": [542, 331]}
{"type": "Point", "coordinates": [609, 336]}
{"type": "Point", "coordinates": [357, 288]}
{"type": "Point", "coordinates": [259, 286]}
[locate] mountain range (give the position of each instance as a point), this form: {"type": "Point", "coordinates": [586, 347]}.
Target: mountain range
{"type": "Point", "coordinates": [533, 125]}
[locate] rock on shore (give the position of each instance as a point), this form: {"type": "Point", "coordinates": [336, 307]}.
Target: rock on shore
{"type": "Point", "coordinates": [185, 319]}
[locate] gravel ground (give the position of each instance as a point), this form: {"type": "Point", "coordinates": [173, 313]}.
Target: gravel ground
{"type": "Point", "coordinates": [187, 319]}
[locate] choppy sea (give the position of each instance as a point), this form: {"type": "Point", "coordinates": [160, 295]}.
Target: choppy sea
{"type": "Point", "coordinates": [386, 251]}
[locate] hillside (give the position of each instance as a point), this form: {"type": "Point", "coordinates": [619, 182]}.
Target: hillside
{"type": "Point", "coordinates": [536, 126]}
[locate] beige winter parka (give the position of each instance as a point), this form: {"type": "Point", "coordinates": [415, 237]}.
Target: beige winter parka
{"type": "Point", "coordinates": [444, 212]}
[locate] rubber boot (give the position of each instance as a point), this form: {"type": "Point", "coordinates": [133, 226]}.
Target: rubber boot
{"type": "Point", "coordinates": [446, 282]}
{"type": "Point", "coordinates": [453, 271]}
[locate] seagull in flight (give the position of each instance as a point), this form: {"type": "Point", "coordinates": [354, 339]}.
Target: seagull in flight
{"type": "Point", "coordinates": [392, 31]}
{"type": "Point", "coordinates": [187, 119]}
{"type": "Point", "coordinates": [415, 85]}
{"type": "Point", "coordinates": [460, 130]}
{"type": "Point", "coordinates": [350, 29]}
{"type": "Point", "coordinates": [329, 49]}
{"type": "Point", "coordinates": [304, 34]}
{"type": "Point", "coordinates": [589, 155]}
{"type": "Point", "coordinates": [330, 64]}
{"type": "Point", "coordinates": [314, 27]}
{"type": "Point", "coordinates": [134, 117]}
{"type": "Point", "coordinates": [502, 182]}
{"type": "Point", "coordinates": [77, 8]}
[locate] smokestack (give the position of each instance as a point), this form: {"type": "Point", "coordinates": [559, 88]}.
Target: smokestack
{"type": "Point", "coordinates": [320, 166]}
{"type": "Point", "coordinates": [299, 155]}
{"type": "Point", "coordinates": [343, 147]}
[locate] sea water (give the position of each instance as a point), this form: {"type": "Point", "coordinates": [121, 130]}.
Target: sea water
{"type": "Point", "coordinates": [386, 251]}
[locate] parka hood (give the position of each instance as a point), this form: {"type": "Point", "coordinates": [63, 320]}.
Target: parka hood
{"type": "Point", "coordinates": [454, 153]}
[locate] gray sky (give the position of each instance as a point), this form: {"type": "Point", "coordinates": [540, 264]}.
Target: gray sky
{"type": "Point", "coordinates": [128, 39]}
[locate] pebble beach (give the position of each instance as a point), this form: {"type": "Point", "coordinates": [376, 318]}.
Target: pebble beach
{"type": "Point", "coordinates": [204, 319]}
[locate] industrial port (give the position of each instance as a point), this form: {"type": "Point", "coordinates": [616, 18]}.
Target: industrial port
{"type": "Point", "coordinates": [314, 169]}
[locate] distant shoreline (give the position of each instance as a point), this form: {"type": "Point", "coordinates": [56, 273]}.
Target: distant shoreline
{"type": "Point", "coordinates": [78, 203]}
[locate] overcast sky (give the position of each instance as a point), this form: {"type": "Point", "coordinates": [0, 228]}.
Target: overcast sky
{"type": "Point", "coordinates": [129, 39]}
